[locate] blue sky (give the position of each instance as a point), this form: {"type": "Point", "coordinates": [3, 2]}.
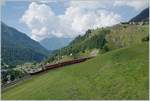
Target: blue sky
{"type": "Point", "coordinates": [13, 11]}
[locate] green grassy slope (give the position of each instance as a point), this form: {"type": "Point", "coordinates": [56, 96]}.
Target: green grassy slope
{"type": "Point", "coordinates": [126, 35]}
{"type": "Point", "coordinates": [119, 74]}
{"type": "Point", "coordinates": [103, 39]}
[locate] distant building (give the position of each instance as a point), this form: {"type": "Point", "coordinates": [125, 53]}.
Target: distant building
{"type": "Point", "coordinates": [132, 23]}
{"type": "Point", "coordinates": [139, 23]}
{"type": "Point", "coordinates": [70, 54]}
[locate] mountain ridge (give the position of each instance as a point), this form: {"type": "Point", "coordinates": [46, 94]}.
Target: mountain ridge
{"type": "Point", "coordinates": [104, 39]}
{"type": "Point", "coordinates": [18, 48]}
{"type": "Point", "coordinates": [142, 16]}
{"type": "Point", "coordinates": [54, 43]}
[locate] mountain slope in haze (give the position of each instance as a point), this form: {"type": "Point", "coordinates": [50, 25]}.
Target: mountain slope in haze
{"type": "Point", "coordinates": [54, 43]}
{"type": "Point", "coordinates": [119, 75]}
{"type": "Point", "coordinates": [143, 16]}
{"type": "Point", "coordinates": [18, 48]}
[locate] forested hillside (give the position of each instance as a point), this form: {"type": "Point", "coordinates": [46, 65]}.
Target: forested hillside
{"type": "Point", "coordinates": [103, 40]}
{"type": "Point", "coordinates": [119, 74]}
{"type": "Point", "coordinates": [18, 48]}
{"type": "Point", "coordinates": [109, 38]}
{"type": "Point", "coordinates": [118, 68]}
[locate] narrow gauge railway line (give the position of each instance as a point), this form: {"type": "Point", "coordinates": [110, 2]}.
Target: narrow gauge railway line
{"type": "Point", "coordinates": [58, 65]}
{"type": "Point", "coordinates": [44, 69]}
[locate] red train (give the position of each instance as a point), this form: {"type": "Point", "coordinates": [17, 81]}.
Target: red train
{"type": "Point", "coordinates": [57, 65]}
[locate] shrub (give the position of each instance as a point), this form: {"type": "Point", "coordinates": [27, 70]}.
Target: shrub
{"type": "Point", "coordinates": [145, 39]}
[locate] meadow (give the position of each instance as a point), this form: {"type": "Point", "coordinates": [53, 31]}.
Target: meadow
{"type": "Point", "coordinates": [118, 74]}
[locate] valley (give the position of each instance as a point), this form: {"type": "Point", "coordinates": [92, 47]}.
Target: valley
{"type": "Point", "coordinates": [84, 57]}
{"type": "Point", "coordinates": [114, 74]}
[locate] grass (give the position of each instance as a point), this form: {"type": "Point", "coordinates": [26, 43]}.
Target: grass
{"type": "Point", "coordinates": [119, 74]}
{"type": "Point", "coordinates": [128, 36]}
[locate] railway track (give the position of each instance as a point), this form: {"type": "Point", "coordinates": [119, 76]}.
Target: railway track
{"type": "Point", "coordinates": [58, 65]}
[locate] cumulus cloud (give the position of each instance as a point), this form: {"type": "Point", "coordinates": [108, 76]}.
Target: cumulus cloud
{"type": "Point", "coordinates": [40, 19]}
{"type": "Point", "coordinates": [43, 22]}
{"type": "Point", "coordinates": [136, 4]}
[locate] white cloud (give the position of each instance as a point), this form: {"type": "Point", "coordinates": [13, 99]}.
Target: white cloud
{"type": "Point", "coordinates": [42, 1]}
{"type": "Point", "coordinates": [76, 20]}
{"type": "Point", "coordinates": [136, 4]}
{"type": "Point", "coordinates": [40, 19]}
{"type": "Point", "coordinates": [108, 4]}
